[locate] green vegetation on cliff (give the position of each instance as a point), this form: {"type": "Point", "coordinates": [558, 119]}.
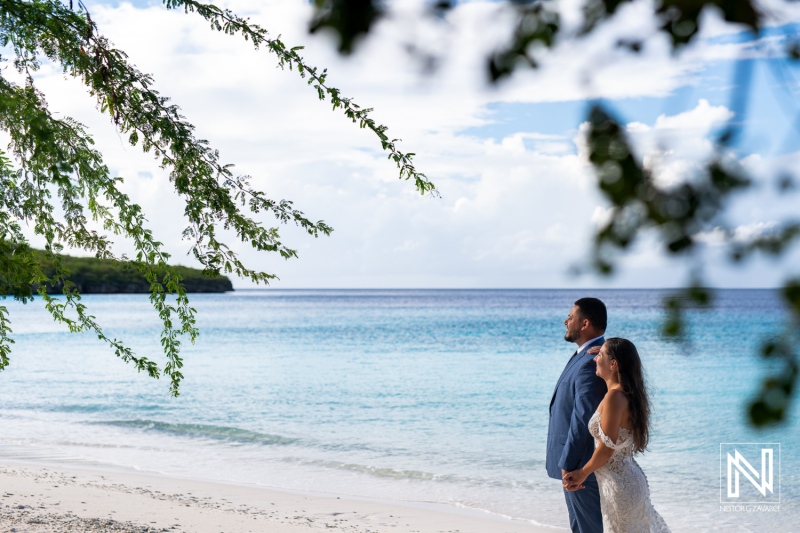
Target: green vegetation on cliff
{"type": "Point", "coordinates": [91, 275]}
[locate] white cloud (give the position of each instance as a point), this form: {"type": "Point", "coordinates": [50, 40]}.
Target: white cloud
{"type": "Point", "coordinates": [601, 216]}
{"type": "Point", "coordinates": [779, 12]}
{"type": "Point", "coordinates": [676, 147]}
{"type": "Point", "coordinates": [718, 236]}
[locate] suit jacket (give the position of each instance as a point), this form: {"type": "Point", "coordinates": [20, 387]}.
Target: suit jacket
{"type": "Point", "coordinates": [575, 399]}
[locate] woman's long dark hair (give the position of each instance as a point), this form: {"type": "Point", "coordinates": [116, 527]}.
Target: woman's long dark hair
{"type": "Point", "coordinates": [631, 378]}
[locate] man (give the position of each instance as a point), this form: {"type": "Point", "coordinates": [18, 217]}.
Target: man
{"type": "Point", "coordinates": [575, 399]}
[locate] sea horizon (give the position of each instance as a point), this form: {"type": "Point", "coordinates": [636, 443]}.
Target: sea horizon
{"type": "Point", "coordinates": [677, 288]}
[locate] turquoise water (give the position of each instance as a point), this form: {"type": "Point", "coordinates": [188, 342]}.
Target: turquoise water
{"type": "Point", "coordinates": [408, 395]}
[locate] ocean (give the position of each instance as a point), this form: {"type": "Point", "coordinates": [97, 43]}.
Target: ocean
{"type": "Point", "coordinates": [409, 395]}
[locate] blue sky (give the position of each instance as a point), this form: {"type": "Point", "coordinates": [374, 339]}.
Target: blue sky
{"type": "Point", "coordinates": [518, 204]}
{"type": "Point", "coordinates": [771, 107]}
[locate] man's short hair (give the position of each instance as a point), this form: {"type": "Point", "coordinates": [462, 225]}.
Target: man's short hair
{"type": "Point", "coordinates": [593, 310]}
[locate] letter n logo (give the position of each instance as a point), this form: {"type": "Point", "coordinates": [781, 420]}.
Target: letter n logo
{"type": "Point", "coordinates": [738, 469]}
{"type": "Point", "coordinates": [738, 464]}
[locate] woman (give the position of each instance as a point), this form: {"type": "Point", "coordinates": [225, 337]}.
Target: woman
{"type": "Point", "coordinates": [620, 427]}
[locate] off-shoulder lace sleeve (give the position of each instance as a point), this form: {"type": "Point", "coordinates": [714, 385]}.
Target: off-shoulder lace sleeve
{"type": "Point", "coordinates": [607, 441]}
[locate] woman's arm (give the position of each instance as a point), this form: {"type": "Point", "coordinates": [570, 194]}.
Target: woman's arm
{"type": "Point", "coordinates": [614, 405]}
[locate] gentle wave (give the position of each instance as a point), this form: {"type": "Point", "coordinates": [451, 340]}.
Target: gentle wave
{"type": "Point", "coordinates": [416, 475]}
{"type": "Point", "coordinates": [203, 431]}
{"type": "Point", "coordinates": [382, 472]}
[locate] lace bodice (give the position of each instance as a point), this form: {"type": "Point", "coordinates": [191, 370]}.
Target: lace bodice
{"type": "Point", "coordinates": [623, 448]}
{"type": "Point", "coordinates": [624, 492]}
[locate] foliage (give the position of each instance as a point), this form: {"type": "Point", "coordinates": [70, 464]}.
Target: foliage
{"type": "Point", "coordinates": [53, 180]}
{"type": "Point", "coordinates": [675, 214]}
{"type": "Point", "coordinates": [93, 275]}
{"type": "Point", "coordinates": [351, 19]}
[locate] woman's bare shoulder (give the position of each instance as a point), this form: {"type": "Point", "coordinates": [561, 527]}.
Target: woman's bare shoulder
{"type": "Point", "coordinates": [616, 400]}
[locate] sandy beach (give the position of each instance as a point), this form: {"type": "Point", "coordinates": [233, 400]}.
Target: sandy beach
{"type": "Point", "coordinates": [39, 499]}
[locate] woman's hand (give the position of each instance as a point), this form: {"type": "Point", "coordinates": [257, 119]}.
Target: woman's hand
{"type": "Point", "coordinates": [594, 350]}
{"type": "Point", "coordinates": [574, 480]}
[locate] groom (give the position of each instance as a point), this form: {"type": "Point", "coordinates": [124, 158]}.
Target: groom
{"type": "Point", "coordinates": [575, 399]}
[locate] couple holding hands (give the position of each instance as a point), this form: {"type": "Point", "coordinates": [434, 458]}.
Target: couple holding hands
{"type": "Point", "coordinates": [600, 418]}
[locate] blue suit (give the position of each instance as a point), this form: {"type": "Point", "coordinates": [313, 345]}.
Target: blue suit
{"type": "Point", "coordinates": [569, 445]}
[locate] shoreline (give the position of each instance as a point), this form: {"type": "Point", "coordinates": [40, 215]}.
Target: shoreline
{"type": "Point", "coordinates": [38, 498]}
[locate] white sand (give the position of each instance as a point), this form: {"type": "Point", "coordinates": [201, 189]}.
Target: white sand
{"type": "Point", "coordinates": [36, 499]}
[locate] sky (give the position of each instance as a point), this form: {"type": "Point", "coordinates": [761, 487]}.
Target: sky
{"type": "Point", "coordinates": [519, 201]}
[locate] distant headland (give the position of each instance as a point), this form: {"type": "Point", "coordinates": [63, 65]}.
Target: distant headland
{"type": "Point", "coordinates": [101, 276]}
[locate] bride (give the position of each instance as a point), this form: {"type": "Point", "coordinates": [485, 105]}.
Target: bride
{"type": "Point", "coordinates": [620, 427]}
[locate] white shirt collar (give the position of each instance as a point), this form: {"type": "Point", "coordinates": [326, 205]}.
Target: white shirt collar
{"type": "Point", "coordinates": [587, 343]}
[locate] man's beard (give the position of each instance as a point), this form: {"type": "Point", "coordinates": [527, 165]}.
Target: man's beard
{"type": "Point", "coordinates": [568, 338]}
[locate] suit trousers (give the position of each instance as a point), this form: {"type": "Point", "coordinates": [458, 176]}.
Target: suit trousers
{"type": "Point", "coordinates": [584, 508]}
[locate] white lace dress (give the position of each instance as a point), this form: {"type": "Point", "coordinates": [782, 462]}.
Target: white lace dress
{"type": "Point", "coordinates": [624, 493]}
